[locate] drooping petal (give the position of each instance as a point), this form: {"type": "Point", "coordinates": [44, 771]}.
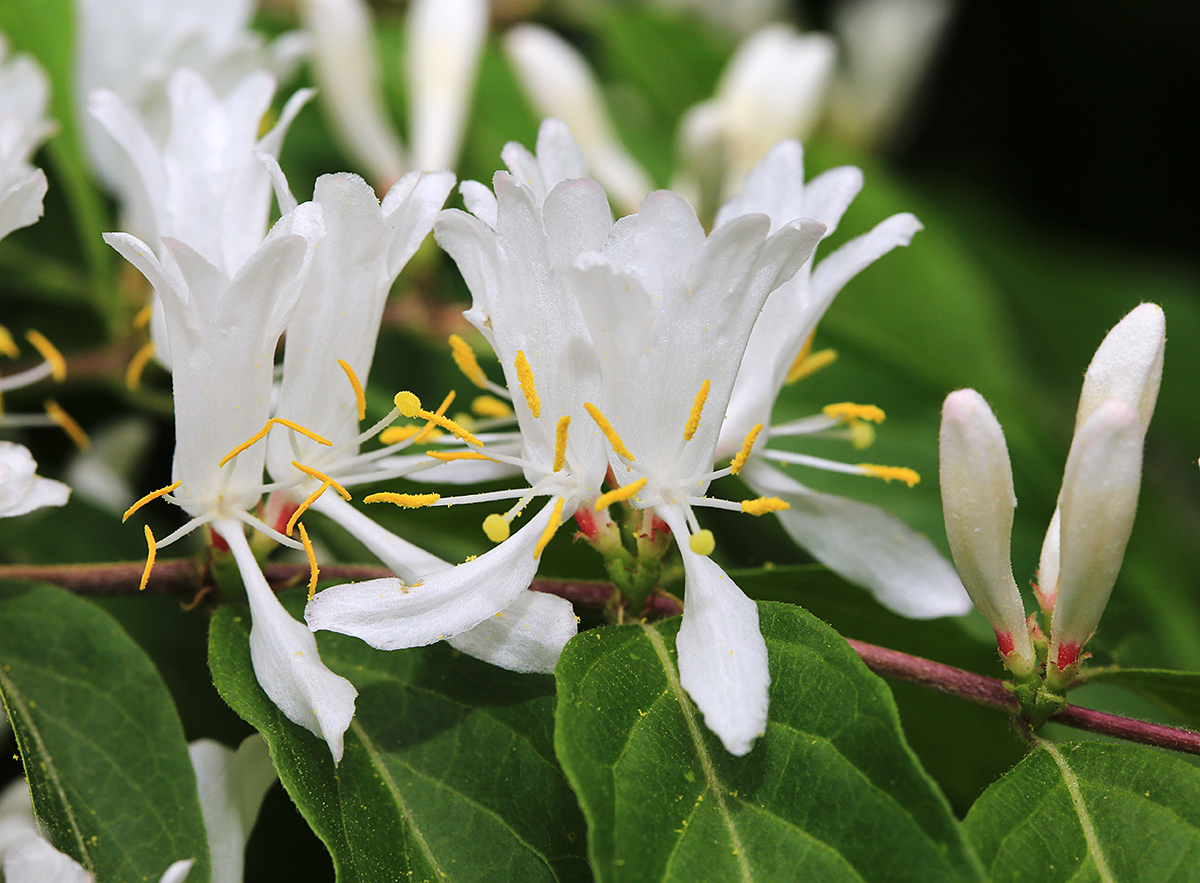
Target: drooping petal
{"type": "Point", "coordinates": [866, 545]}
{"type": "Point", "coordinates": [526, 636]}
{"type": "Point", "coordinates": [285, 657]}
{"type": "Point", "coordinates": [1098, 500]}
{"type": "Point", "coordinates": [1127, 365]}
{"type": "Point", "coordinates": [231, 785]}
{"type": "Point", "coordinates": [722, 654]}
{"type": "Point", "coordinates": [978, 499]}
{"type": "Point", "coordinates": [836, 269]}
{"type": "Point", "coordinates": [21, 203]}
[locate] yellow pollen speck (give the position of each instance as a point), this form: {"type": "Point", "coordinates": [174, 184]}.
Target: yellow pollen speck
{"type": "Point", "coordinates": [313, 570]}
{"type": "Point", "coordinates": [8, 346]}
{"type": "Point", "coordinates": [496, 527]}
{"type": "Point", "coordinates": [763, 505]}
{"type": "Point", "coordinates": [58, 365]}
{"type": "Point", "coordinates": [620, 494]}
{"type": "Point", "coordinates": [744, 454]}
{"type": "Point", "coordinates": [428, 430]}
{"type": "Point", "coordinates": [887, 473]}
{"type": "Point", "coordinates": [618, 446]}
{"type": "Point", "coordinates": [137, 365]}
{"type": "Point", "coordinates": [67, 423]}
{"type": "Point", "coordinates": [560, 442]}
{"type": "Point", "coordinates": [151, 550]}
{"type": "Point", "coordinates": [693, 422]}
{"type": "Point", "coordinates": [360, 397]}
{"type": "Point", "coordinates": [849, 411]}
{"type": "Point", "coordinates": [551, 528]}
{"type": "Point", "coordinates": [142, 319]}
{"type": "Point", "coordinates": [303, 507]}
{"type": "Point", "coordinates": [464, 358]}
{"type": "Point", "coordinates": [407, 403]}
{"type": "Point", "coordinates": [394, 434]}
{"type": "Point", "coordinates": [490, 406]}
{"type": "Point", "coordinates": [321, 476]}
{"type": "Point", "coordinates": [408, 501]}
{"type": "Point", "coordinates": [806, 365]}
{"type": "Point", "coordinates": [702, 542]}
{"type": "Point", "coordinates": [450, 456]}
{"type": "Point", "coordinates": [525, 377]}
{"type": "Point", "coordinates": [153, 495]}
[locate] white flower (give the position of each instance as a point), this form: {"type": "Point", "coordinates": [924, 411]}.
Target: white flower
{"type": "Point", "coordinates": [24, 93]}
{"type": "Point", "coordinates": [1086, 540]}
{"type": "Point", "coordinates": [862, 542]}
{"type": "Point", "coordinates": [22, 491]}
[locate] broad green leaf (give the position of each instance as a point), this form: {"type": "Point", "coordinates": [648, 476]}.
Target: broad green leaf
{"type": "Point", "coordinates": [448, 774]}
{"type": "Point", "coordinates": [1176, 691]}
{"type": "Point", "coordinates": [830, 792]}
{"type": "Point", "coordinates": [102, 745]}
{"type": "Point", "coordinates": [1090, 811]}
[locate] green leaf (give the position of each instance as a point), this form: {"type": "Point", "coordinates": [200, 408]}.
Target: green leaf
{"type": "Point", "coordinates": [1090, 811]}
{"type": "Point", "coordinates": [1176, 691]}
{"type": "Point", "coordinates": [102, 745]}
{"type": "Point", "coordinates": [448, 773]}
{"type": "Point", "coordinates": [830, 792]}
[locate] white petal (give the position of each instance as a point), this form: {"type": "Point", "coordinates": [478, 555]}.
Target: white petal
{"type": "Point", "coordinates": [21, 203]}
{"type": "Point", "coordinates": [867, 546]}
{"type": "Point", "coordinates": [1049, 560]}
{"type": "Point", "coordinates": [480, 201]}
{"type": "Point", "coordinates": [722, 654]}
{"type": "Point", "coordinates": [774, 187]}
{"type": "Point", "coordinates": [1099, 501]}
{"type": "Point", "coordinates": [231, 785]}
{"type": "Point", "coordinates": [388, 614]}
{"type": "Point", "coordinates": [978, 499]}
{"type": "Point", "coordinates": [526, 636]}
{"type": "Point", "coordinates": [178, 872]}
{"type": "Point", "coordinates": [36, 861]}
{"type": "Point", "coordinates": [22, 491]}
{"type": "Point", "coordinates": [835, 270]}
{"type": "Point", "coordinates": [285, 657]}
{"type": "Point", "coordinates": [407, 561]}
{"type": "Point", "coordinates": [1127, 365]}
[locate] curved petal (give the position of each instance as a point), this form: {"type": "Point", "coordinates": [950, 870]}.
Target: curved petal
{"type": "Point", "coordinates": [21, 490]}
{"type": "Point", "coordinates": [722, 654]}
{"type": "Point", "coordinates": [836, 269]}
{"type": "Point", "coordinates": [178, 872]}
{"type": "Point", "coordinates": [527, 636]}
{"type": "Point", "coordinates": [285, 657]}
{"type": "Point", "coordinates": [231, 785]}
{"type": "Point", "coordinates": [21, 204]}
{"type": "Point", "coordinates": [866, 545]}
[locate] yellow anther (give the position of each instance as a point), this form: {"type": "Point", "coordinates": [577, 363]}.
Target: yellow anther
{"type": "Point", "coordinates": [313, 570]}
{"type": "Point", "coordinates": [407, 403]}
{"type": "Point", "coordinates": [153, 495]}
{"type": "Point", "coordinates": [291, 424]}
{"type": "Point", "coordinates": [702, 542]}
{"type": "Point", "coordinates": [58, 365]}
{"type": "Point", "coordinates": [359, 397]}
{"type": "Point", "coordinates": [744, 454]}
{"type": "Point", "coordinates": [809, 365]}
{"type": "Point", "coordinates": [428, 429]}
{"type": "Point", "coordinates": [142, 319]}
{"type": "Point", "coordinates": [850, 412]}
{"type": "Point", "coordinates": [321, 476]}
{"type": "Point", "coordinates": [408, 501]}
{"type": "Point", "coordinates": [464, 358]}
{"type": "Point", "coordinates": [560, 442]}
{"type": "Point", "coordinates": [490, 406]}
{"type": "Point", "coordinates": [525, 377]}
{"type": "Point", "coordinates": [551, 528]}
{"type": "Point", "coordinates": [151, 551]}
{"type": "Point", "coordinates": [410, 406]}
{"type": "Point", "coordinates": [137, 365]}
{"type": "Point", "coordinates": [620, 494]}
{"type": "Point", "coordinates": [262, 433]}
{"type": "Point", "coordinates": [449, 456]}
{"type": "Point", "coordinates": [8, 346]}
{"type": "Point", "coordinates": [887, 473]}
{"type": "Point", "coordinates": [693, 422]}
{"type": "Point", "coordinates": [618, 446]}
{"type": "Point", "coordinates": [496, 527]}
{"type": "Point", "coordinates": [67, 423]}
{"type": "Point", "coordinates": [303, 507]}
{"type": "Point", "coordinates": [862, 434]}
{"type": "Point", "coordinates": [763, 505]}
{"type": "Point", "coordinates": [394, 434]}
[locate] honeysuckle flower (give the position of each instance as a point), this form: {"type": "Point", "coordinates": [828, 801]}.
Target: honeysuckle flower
{"type": "Point", "coordinates": [670, 311]}
{"type": "Point", "coordinates": [1086, 540]}
{"type": "Point", "coordinates": [24, 93]}
{"type": "Point", "coordinates": [222, 334]}
{"type": "Point", "coordinates": [230, 784]}
{"type": "Point", "coordinates": [510, 254]}
{"type": "Point", "coordinates": [863, 543]}
{"type": "Point", "coordinates": [21, 490]}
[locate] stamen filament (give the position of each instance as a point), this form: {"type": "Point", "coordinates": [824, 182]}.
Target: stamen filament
{"type": "Point", "coordinates": [137, 365]}
{"type": "Point", "coordinates": [850, 411]}
{"type": "Point", "coordinates": [408, 501]}
{"type": "Point", "coordinates": [360, 397]}
{"type": "Point", "coordinates": [763, 505]}
{"type": "Point", "coordinates": [464, 358]}
{"type": "Point", "coordinates": [153, 495]}
{"type": "Point", "coordinates": [744, 454]}
{"type": "Point", "coordinates": [551, 528]}
{"type": "Point", "coordinates": [262, 433]}
{"type": "Point", "coordinates": [693, 422]}
{"type": "Point", "coordinates": [313, 570]}
{"type": "Point", "coordinates": [410, 406]}
{"type": "Point", "coordinates": [67, 423]}
{"type": "Point", "coordinates": [151, 550]}
{"type": "Point", "coordinates": [611, 434]}
{"type": "Point", "coordinates": [321, 476]}
{"type": "Point", "coordinates": [560, 442]}
{"type": "Point", "coordinates": [427, 430]}
{"type": "Point", "coordinates": [887, 473]}
{"type": "Point", "coordinates": [49, 352]}
{"type": "Point", "coordinates": [620, 494]}
{"type": "Point", "coordinates": [525, 378]}
{"type": "Point", "coordinates": [303, 507]}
